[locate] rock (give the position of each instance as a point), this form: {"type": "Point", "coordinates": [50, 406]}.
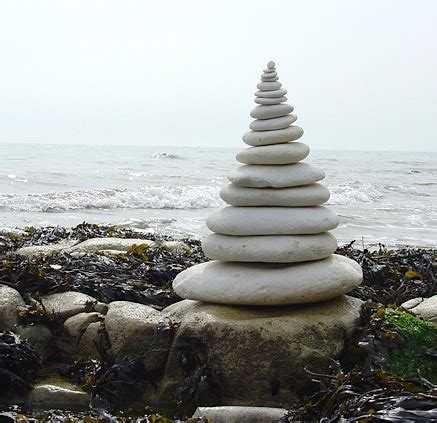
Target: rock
{"type": "Point", "coordinates": [269, 75]}
{"type": "Point", "coordinates": [40, 337]}
{"type": "Point", "coordinates": [273, 124]}
{"type": "Point", "coordinates": [67, 304]}
{"type": "Point", "coordinates": [271, 111]}
{"type": "Point", "coordinates": [272, 220]}
{"type": "Point", "coordinates": [268, 248]}
{"type": "Point", "coordinates": [258, 354]}
{"type": "Point", "coordinates": [426, 308]}
{"type": "Point", "coordinates": [91, 342]}
{"type": "Point", "coordinates": [47, 249]}
{"type": "Point", "coordinates": [292, 133]}
{"type": "Point", "coordinates": [136, 328]}
{"type": "Point", "coordinates": [271, 65]}
{"type": "Point", "coordinates": [269, 86]}
{"type": "Point", "coordinates": [59, 395]}
{"type": "Point", "coordinates": [11, 232]}
{"type": "Point", "coordinates": [10, 301]}
{"type": "Point", "coordinates": [268, 283]}
{"type": "Point", "coordinates": [271, 94]}
{"type": "Point", "coordinates": [176, 247]}
{"type": "Point", "coordinates": [286, 153]}
{"type": "Point", "coordinates": [275, 176]}
{"type": "Point", "coordinates": [77, 325]}
{"type": "Point", "coordinates": [238, 414]}
{"type": "Point", "coordinates": [306, 195]}
{"type": "Point", "coordinates": [260, 100]}
{"type": "Point", "coordinates": [114, 244]}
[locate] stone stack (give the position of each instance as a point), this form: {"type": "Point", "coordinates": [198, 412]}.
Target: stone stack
{"type": "Point", "coordinates": [271, 245]}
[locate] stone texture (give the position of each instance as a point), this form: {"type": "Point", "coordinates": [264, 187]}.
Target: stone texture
{"type": "Point", "coordinates": [271, 111]}
{"type": "Point", "coordinates": [271, 94]}
{"type": "Point", "coordinates": [136, 328]}
{"type": "Point", "coordinates": [306, 195]}
{"type": "Point", "coordinates": [272, 220]}
{"type": "Point", "coordinates": [292, 133]}
{"type": "Point", "coordinates": [40, 337]}
{"type": "Point", "coordinates": [112, 244]}
{"type": "Point", "coordinates": [277, 100]}
{"type": "Point", "coordinates": [268, 248]}
{"type": "Point", "coordinates": [33, 250]}
{"type": "Point", "coordinates": [273, 124]}
{"type": "Point", "coordinates": [67, 304]}
{"type": "Point", "coordinates": [258, 354]}
{"type": "Point", "coordinates": [10, 301]}
{"type": "Point", "coordinates": [238, 414]}
{"type": "Point", "coordinates": [426, 308]}
{"type": "Point", "coordinates": [269, 86]}
{"type": "Point", "coordinates": [275, 176]}
{"type": "Point", "coordinates": [268, 283]}
{"type": "Point", "coordinates": [287, 153]}
{"type": "Point", "coordinates": [59, 395]}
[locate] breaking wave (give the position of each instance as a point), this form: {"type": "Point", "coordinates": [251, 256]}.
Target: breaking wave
{"type": "Point", "coordinates": [354, 192]}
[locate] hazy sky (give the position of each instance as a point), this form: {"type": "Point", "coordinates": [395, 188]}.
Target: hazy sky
{"type": "Point", "coordinates": [360, 74]}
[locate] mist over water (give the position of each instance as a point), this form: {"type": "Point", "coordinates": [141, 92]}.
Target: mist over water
{"type": "Point", "coordinates": [387, 197]}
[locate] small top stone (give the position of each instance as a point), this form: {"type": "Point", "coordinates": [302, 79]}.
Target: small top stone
{"type": "Point", "coordinates": [271, 65]}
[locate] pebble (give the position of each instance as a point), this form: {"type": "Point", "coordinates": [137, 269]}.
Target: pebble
{"type": "Point", "coordinates": [277, 100]}
{"type": "Point", "coordinates": [271, 94]}
{"type": "Point", "coordinates": [273, 124]}
{"type": "Point", "coordinates": [303, 196]}
{"type": "Point", "coordinates": [256, 138]}
{"type": "Point", "coordinates": [268, 284]}
{"type": "Point", "coordinates": [266, 79]}
{"type": "Point", "coordinates": [275, 176]}
{"type": "Point", "coordinates": [269, 86]}
{"type": "Point", "coordinates": [244, 221]}
{"type": "Point", "coordinates": [273, 74]}
{"type": "Point", "coordinates": [271, 111]}
{"type": "Point", "coordinates": [269, 248]}
{"type": "Point", "coordinates": [287, 153]}
{"type": "Point", "coordinates": [271, 64]}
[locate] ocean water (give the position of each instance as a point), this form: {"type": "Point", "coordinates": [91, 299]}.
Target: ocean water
{"type": "Point", "coordinates": [387, 197]}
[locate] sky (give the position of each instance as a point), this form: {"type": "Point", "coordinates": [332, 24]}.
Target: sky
{"type": "Point", "coordinates": [362, 75]}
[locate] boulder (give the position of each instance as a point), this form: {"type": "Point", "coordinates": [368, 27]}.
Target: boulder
{"type": "Point", "coordinates": [256, 356]}
{"type": "Point", "coordinates": [40, 337]}
{"type": "Point", "coordinates": [67, 304]}
{"type": "Point", "coordinates": [426, 308]}
{"type": "Point", "coordinates": [10, 301]}
{"type": "Point", "coordinates": [235, 414]}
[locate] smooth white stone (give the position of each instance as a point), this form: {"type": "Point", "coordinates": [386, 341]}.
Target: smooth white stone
{"type": "Point", "coordinates": [303, 196]}
{"type": "Point", "coordinates": [266, 79]}
{"type": "Point", "coordinates": [275, 176]}
{"type": "Point", "coordinates": [256, 138]}
{"type": "Point", "coordinates": [271, 94]}
{"type": "Point", "coordinates": [273, 124]}
{"type": "Point", "coordinates": [272, 220]}
{"type": "Point", "coordinates": [260, 100]}
{"type": "Point", "coordinates": [269, 248]}
{"type": "Point", "coordinates": [287, 153]}
{"type": "Point", "coordinates": [269, 284]}
{"type": "Point", "coordinates": [273, 74]}
{"type": "Point", "coordinates": [269, 86]}
{"type": "Point", "coordinates": [271, 111]}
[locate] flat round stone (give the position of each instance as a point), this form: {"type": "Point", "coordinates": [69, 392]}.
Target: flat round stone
{"type": "Point", "coordinates": [242, 221]}
{"type": "Point", "coordinates": [276, 154]}
{"type": "Point", "coordinates": [273, 74]}
{"type": "Point", "coordinates": [271, 94]}
{"type": "Point", "coordinates": [269, 70]}
{"type": "Point", "coordinates": [273, 124]}
{"type": "Point", "coordinates": [269, 284]}
{"type": "Point", "coordinates": [269, 248]}
{"type": "Point", "coordinates": [277, 100]}
{"type": "Point", "coordinates": [266, 79]}
{"type": "Point", "coordinates": [271, 111]}
{"type": "Point", "coordinates": [269, 86]}
{"type": "Point", "coordinates": [256, 138]}
{"type": "Point", "coordinates": [303, 196]}
{"type": "Point", "coordinates": [275, 176]}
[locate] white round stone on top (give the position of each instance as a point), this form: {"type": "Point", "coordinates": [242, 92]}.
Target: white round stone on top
{"type": "Point", "coordinates": [271, 65]}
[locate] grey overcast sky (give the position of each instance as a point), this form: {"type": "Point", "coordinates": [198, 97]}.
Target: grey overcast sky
{"type": "Point", "coordinates": [362, 75]}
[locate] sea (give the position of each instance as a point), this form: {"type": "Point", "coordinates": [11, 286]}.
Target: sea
{"type": "Point", "coordinates": [380, 197]}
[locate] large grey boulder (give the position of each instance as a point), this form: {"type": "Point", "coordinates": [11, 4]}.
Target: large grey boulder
{"type": "Point", "coordinates": [235, 414]}
{"type": "Point", "coordinates": [40, 337]}
{"type": "Point", "coordinates": [257, 354]}
{"type": "Point", "coordinates": [10, 301]}
{"type": "Point", "coordinates": [67, 304]}
{"type": "Point", "coordinates": [426, 308]}
{"type": "Point", "coordinates": [138, 329]}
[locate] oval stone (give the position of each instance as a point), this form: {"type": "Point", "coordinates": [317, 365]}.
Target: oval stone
{"type": "Point", "coordinates": [273, 124]}
{"type": "Point", "coordinates": [269, 248]}
{"type": "Point", "coordinates": [271, 111]}
{"type": "Point", "coordinates": [303, 196]}
{"type": "Point", "coordinates": [266, 79]}
{"type": "Point", "coordinates": [275, 176]}
{"type": "Point", "coordinates": [273, 74]}
{"type": "Point", "coordinates": [277, 100]}
{"type": "Point", "coordinates": [269, 284]}
{"type": "Point", "coordinates": [269, 86]}
{"type": "Point", "coordinates": [271, 65]}
{"type": "Point", "coordinates": [256, 138]}
{"type": "Point", "coordinates": [287, 153]}
{"type": "Point", "coordinates": [272, 220]}
{"type": "Point", "coordinates": [271, 94]}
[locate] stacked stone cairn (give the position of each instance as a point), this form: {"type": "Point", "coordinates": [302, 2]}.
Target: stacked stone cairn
{"type": "Point", "coordinates": [271, 245]}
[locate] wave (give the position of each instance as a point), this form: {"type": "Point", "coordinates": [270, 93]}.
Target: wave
{"type": "Point", "coordinates": [168, 156]}
{"type": "Point", "coordinates": [354, 192]}
{"type": "Point", "coordinates": [162, 197]}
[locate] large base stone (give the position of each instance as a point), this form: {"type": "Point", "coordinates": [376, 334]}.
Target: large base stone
{"type": "Point", "coordinates": [255, 355]}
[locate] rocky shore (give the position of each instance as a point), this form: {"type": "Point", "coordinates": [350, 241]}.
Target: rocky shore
{"type": "Point", "coordinates": [90, 326]}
